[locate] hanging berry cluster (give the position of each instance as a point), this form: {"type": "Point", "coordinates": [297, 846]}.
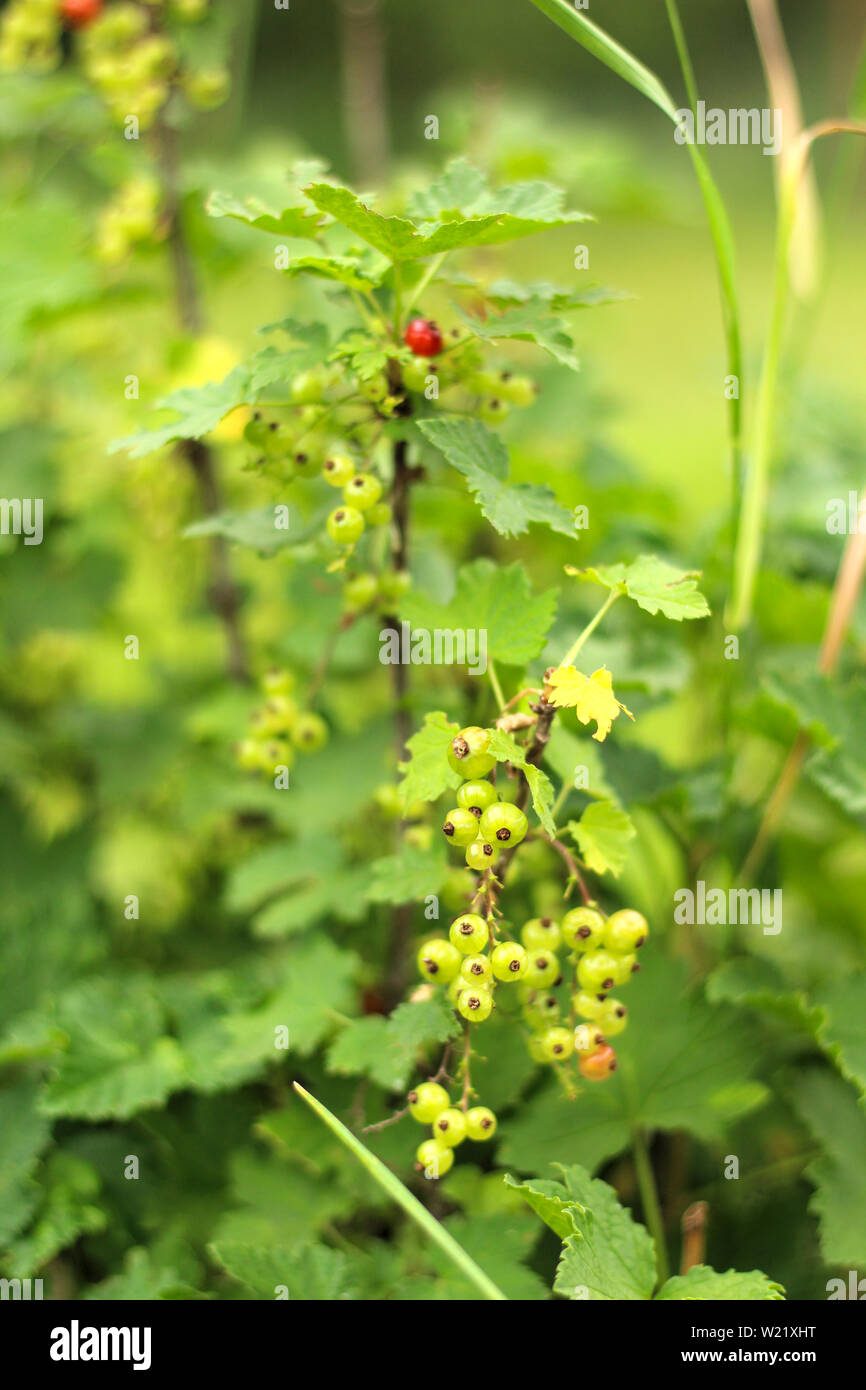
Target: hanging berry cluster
{"type": "Point", "coordinates": [557, 980]}
{"type": "Point", "coordinates": [279, 728]}
{"type": "Point", "coordinates": [127, 52]}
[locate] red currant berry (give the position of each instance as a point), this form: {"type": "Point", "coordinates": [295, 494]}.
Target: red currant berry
{"type": "Point", "coordinates": [423, 338]}
{"type": "Point", "coordinates": [599, 1065]}
{"type": "Point", "coordinates": [79, 13]}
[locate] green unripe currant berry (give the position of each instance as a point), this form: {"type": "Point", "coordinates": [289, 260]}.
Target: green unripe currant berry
{"type": "Point", "coordinates": [345, 526]}
{"type": "Point", "coordinates": [480, 1123]}
{"type": "Point", "coordinates": [449, 1127]}
{"type": "Point", "coordinates": [379, 514]}
{"type": "Point", "coordinates": [596, 971]}
{"type": "Point", "coordinates": [363, 491]}
{"type": "Point", "coordinates": [518, 390]}
{"type": "Point", "coordinates": [535, 1048]}
{"type": "Point", "coordinates": [625, 931]}
{"type": "Point", "coordinates": [278, 715]}
{"type": "Point", "coordinates": [509, 961]}
{"type": "Point", "coordinates": [480, 856]}
{"type": "Point", "coordinates": [613, 1018]}
{"type": "Point", "coordinates": [308, 387]}
{"type": "Point", "coordinates": [588, 1038]}
{"type": "Point", "coordinates": [476, 970]}
{"type": "Point", "coordinates": [540, 1010]}
{"type": "Point", "coordinates": [307, 461]}
{"type": "Point", "coordinates": [542, 970]}
{"type": "Point", "coordinates": [359, 592]}
{"type": "Point", "coordinates": [427, 1101]}
{"type": "Point", "coordinates": [278, 681]}
{"type": "Point", "coordinates": [460, 827]}
{"type": "Point", "coordinates": [416, 373]}
{"type": "Point", "coordinates": [338, 469]}
{"type": "Point", "coordinates": [588, 1005]}
{"type": "Point", "coordinates": [484, 383]}
{"type": "Point", "coordinates": [393, 584]}
{"type": "Point", "coordinates": [208, 88]}
{"type": "Point", "coordinates": [439, 961]}
{"type": "Point", "coordinates": [625, 967]}
{"type": "Point", "coordinates": [468, 755]}
{"type": "Point", "coordinates": [503, 823]}
{"type": "Point", "coordinates": [310, 733]}
{"type": "Point", "coordinates": [277, 440]}
{"type": "Point", "coordinates": [493, 410]}
{"type": "Point", "coordinates": [476, 797]}
{"type": "Point", "coordinates": [456, 988]}
{"type": "Point", "coordinates": [256, 431]}
{"type": "Point", "coordinates": [469, 933]}
{"type": "Point", "coordinates": [582, 928]}
{"type": "Point", "coordinates": [541, 933]}
{"type": "Point", "coordinates": [557, 1044]}
{"type": "Point", "coordinates": [475, 1003]}
{"type": "Point", "coordinates": [249, 755]}
{"type": "Point", "coordinates": [374, 390]}
{"type": "Point", "coordinates": [434, 1158]}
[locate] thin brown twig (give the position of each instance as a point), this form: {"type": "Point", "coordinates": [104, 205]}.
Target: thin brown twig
{"type": "Point", "coordinates": [694, 1228]}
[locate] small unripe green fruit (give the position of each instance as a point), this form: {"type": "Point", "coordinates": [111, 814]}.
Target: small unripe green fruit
{"type": "Point", "coordinates": [439, 961]}
{"type": "Point", "coordinates": [469, 933]}
{"type": "Point", "coordinates": [434, 1158]}
{"type": "Point", "coordinates": [509, 961]}
{"type": "Point", "coordinates": [582, 928]}
{"type": "Point", "coordinates": [449, 1127]}
{"type": "Point", "coordinates": [460, 827]}
{"type": "Point", "coordinates": [480, 1123]}
{"type": "Point", "coordinates": [427, 1101]}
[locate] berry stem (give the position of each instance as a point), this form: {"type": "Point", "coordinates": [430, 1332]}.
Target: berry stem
{"type": "Point", "coordinates": [650, 1199]}
{"type": "Point", "coordinates": [422, 284]}
{"type": "Point", "coordinates": [497, 688]}
{"type": "Point", "coordinates": [589, 629]}
{"type": "Point", "coordinates": [223, 594]}
{"type": "Point", "coordinates": [467, 1080]}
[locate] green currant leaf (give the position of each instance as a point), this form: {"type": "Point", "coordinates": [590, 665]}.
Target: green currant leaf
{"type": "Point", "coordinates": [602, 835]}
{"type": "Point", "coordinates": [550, 1201]}
{"type": "Point", "coordinates": [199, 409]}
{"type": "Point", "coordinates": [24, 1132]}
{"type": "Point", "coordinates": [701, 1282]}
{"type": "Point", "coordinates": [683, 1064]}
{"type": "Point", "coordinates": [409, 876]}
{"type": "Point", "coordinates": [309, 1272]}
{"type": "Point", "coordinates": [387, 1050]}
{"type": "Point", "coordinates": [757, 984]}
{"type": "Point", "coordinates": [428, 775]}
{"type": "Point", "coordinates": [119, 1058]}
{"type": "Point", "coordinates": [612, 1256]}
{"type": "Point", "coordinates": [655, 586]}
{"type": "Point", "coordinates": [523, 208]}
{"type": "Point", "coordinates": [144, 1278]}
{"type": "Point", "coordinates": [261, 530]}
{"type": "Point", "coordinates": [479, 454]}
{"type": "Point", "coordinates": [66, 1212]}
{"type": "Point", "coordinates": [507, 293]}
{"type": "Point", "coordinates": [347, 270]}
{"type": "Point", "coordinates": [833, 715]}
{"type": "Point", "coordinates": [299, 221]}
{"type": "Point", "coordinates": [530, 323]}
{"type": "Point", "coordinates": [495, 600]}
{"type": "Point", "coordinates": [843, 1034]}
{"type": "Point", "coordinates": [830, 1109]}
{"type": "Point", "coordinates": [505, 749]}
{"type": "Point", "coordinates": [500, 1242]}
{"type": "Point", "coordinates": [396, 237]}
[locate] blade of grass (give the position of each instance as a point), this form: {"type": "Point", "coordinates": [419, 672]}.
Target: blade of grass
{"type": "Point", "coordinates": [626, 66]}
{"type": "Point", "coordinates": [403, 1197]}
{"type": "Point", "coordinates": [750, 533]}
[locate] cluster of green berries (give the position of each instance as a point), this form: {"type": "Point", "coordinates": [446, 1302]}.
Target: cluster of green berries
{"type": "Point", "coordinates": [471, 965]}
{"type": "Point", "coordinates": [460, 381]}
{"type": "Point", "coordinates": [430, 1104]}
{"type": "Point", "coordinates": [133, 64]}
{"type": "Point", "coordinates": [279, 728]}
{"type": "Point", "coordinates": [132, 216]}
{"type": "Point", "coordinates": [480, 823]}
{"type": "Point", "coordinates": [603, 956]}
